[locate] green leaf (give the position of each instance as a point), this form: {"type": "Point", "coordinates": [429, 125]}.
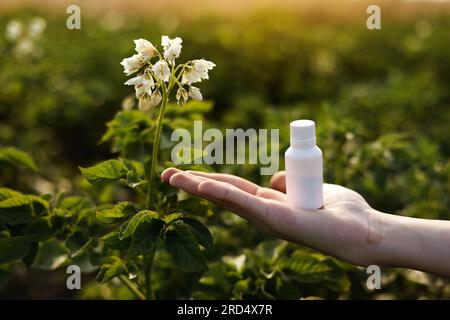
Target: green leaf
{"type": "Point", "coordinates": [305, 268]}
{"type": "Point", "coordinates": [134, 181]}
{"type": "Point", "coordinates": [14, 156]}
{"type": "Point", "coordinates": [6, 193]}
{"type": "Point", "coordinates": [21, 209]}
{"type": "Point", "coordinates": [196, 206]}
{"type": "Point", "coordinates": [128, 227]}
{"type": "Point", "coordinates": [87, 215]}
{"type": "Point", "coordinates": [15, 248]}
{"type": "Point", "coordinates": [29, 258]}
{"type": "Point", "coordinates": [200, 232]}
{"type": "Point", "coordinates": [146, 236]}
{"type": "Point", "coordinates": [113, 241]}
{"type": "Point", "coordinates": [39, 229]}
{"type": "Point", "coordinates": [125, 122]}
{"type": "Point", "coordinates": [173, 217]}
{"type": "Point", "coordinates": [75, 203]}
{"type": "Point", "coordinates": [135, 175]}
{"type": "Point", "coordinates": [134, 166]}
{"type": "Point", "coordinates": [107, 171]}
{"type": "Point", "coordinates": [337, 279]}
{"type": "Point", "coordinates": [75, 242]}
{"type": "Point", "coordinates": [286, 289]}
{"type": "Point", "coordinates": [126, 132]}
{"type": "Point", "coordinates": [181, 243]}
{"type": "Point", "coordinates": [242, 287]}
{"type": "Point", "coordinates": [119, 211]}
{"type": "Point", "coordinates": [111, 270]}
{"type": "Point", "coordinates": [51, 255]}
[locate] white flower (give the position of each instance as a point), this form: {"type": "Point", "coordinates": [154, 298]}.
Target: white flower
{"type": "Point", "coordinates": [132, 64]}
{"type": "Point", "coordinates": [145, 103]}
{"type": "Point", "coordinates": [195, 93]}
{"type": "Point", "coordinates": [197, 71]}
{"type": "Point", "coordinates": [24, 47]}
{"type": "Point", "coordinates": [172, 48]}
{"type": "Point", "coordinates": [155, 98]}
{"type": "Point", "coordinates": [14, 30]}
{"type": "Point", "coordinates": [150, 80]}
{"type": "Point", "coordinates": [161, 70]}
{"type": "Point", "coordinates": [36, 27]}
{"type": "Point", "coordinates": [182, 93]}
{"type": "Point", "coordinates": [182, 96]}
{"type": "Point", "coordinates": [145, 48]}
{"type": "Point", "coordinates": [142, 85]}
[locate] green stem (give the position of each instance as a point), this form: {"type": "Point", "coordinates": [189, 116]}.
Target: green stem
{"type": "Point", "coordinates": [150, 294]}
{"type": "Point", "coordinates": [154, 161]}
{"type": "Point", "coordinates": [132, 287]}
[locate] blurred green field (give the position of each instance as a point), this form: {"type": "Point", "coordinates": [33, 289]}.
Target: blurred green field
{"type": "Point", "coordinates": [380, 99]}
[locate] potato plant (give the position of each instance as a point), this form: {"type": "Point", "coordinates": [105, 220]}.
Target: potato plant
{"type": "Point", "coordinates": [152, 218]}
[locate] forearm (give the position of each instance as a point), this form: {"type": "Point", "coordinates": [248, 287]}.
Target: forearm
{"type": "Point", "coordinates": [419, 244]}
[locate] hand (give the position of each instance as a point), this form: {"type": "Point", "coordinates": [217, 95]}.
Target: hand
{"type": "Point", "coordinates": [346, 227]}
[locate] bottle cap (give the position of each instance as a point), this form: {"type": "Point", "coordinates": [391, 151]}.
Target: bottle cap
{"type": "Point", "coordinates": [303, 133]}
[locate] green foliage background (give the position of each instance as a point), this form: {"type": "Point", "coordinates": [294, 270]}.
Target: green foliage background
{"type": "Point", "coordinates": [380, 100]}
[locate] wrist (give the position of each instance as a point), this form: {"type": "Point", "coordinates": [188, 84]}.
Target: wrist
{"type": "Point", "coordinates": [399, 241]}
{"type": "Point", "coordinates": [379, 238]}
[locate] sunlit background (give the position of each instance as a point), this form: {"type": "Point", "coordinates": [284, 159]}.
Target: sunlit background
{"type": "Point", "coordinates": [380, 98]}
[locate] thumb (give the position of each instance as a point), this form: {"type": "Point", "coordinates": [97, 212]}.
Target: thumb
{"type": "Point", "coordinates": [278, 181]}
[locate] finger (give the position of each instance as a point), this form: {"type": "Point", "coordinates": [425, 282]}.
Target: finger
{"type": "Point", "coordinates": [169, 172]}
{"type": "Point", "coordinates": [236, 200]}
{"type": "Point", "coordinates": [190, 183]}
{"type": "Point", "coordinates": [274, 216]}
{"type": "Point", "coordinates": [243, 203]}
{"type": "Point", "coordinates": [243, 184]}
{"type": "Point", "coordinates": [269, 193]}
{"type": "Point", "coordinates": [278, 181]}
{"type": "Point", "coordinates": [185, 181]}
{"type": "Point", "coordinates": [238, 182]}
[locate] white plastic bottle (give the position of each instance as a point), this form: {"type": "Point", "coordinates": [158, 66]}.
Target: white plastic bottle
{"type": "Point", "coordinates": [304, 168]}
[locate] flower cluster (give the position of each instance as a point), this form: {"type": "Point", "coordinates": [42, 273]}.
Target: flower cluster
{"type": "Point", "coordinates": [25, 35]}
{"type": "Point", "coordinates": [158, 73]}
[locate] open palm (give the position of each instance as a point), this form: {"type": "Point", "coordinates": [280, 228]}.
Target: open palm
{"type": "Point", "coordinates": [346, 227]}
